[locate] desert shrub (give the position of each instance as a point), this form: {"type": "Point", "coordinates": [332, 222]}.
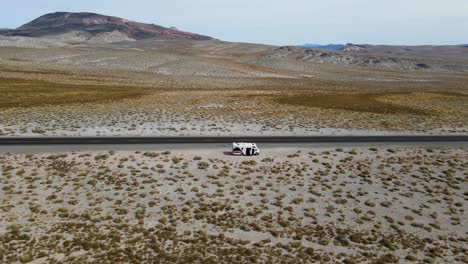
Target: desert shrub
{"type": "Point", "coordinates": [388, 258]}
{"type": "Point", "coordinates": [150, 154]}
{"type": "Point", "coordinates": [26, 257]}
{"type": "Point", "coordinates": [38, 131]}
{"type": "Point", "coordinates": [140, 213]}
{"type": "Point", "coordinates": [249, 162]}
{"type": "Point", "coordinates": [297, 200]}
{"type": "Point", "coordinates": [386, 204]}
{"type": "Point", "coordinates": [422, 66]}
{"type": "Point", "coordinates": [202, 165]}
{"type": "Point", "coordinates": [101, 157]}
{"type": "Point", "coordinates": [411, 258]}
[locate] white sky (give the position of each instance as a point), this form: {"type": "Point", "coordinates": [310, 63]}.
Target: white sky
{"type": "Point", "coordinates": [285, 22]}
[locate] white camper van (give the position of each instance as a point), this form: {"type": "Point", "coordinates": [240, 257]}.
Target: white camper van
{"type": "Point", "coordinates": [245, 149]}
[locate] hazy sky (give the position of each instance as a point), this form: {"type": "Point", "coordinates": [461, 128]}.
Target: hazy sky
{"type": "Point", "coordinates": [277, 22]}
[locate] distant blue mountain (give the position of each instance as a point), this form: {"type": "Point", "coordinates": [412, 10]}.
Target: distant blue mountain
{"type": "Point", "coordinates": [326, 47]}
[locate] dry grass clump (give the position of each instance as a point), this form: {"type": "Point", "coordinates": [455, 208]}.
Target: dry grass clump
{"type": "Point", "coordinates": [27, 93]}
{"type": "Point", "coordinates": [353, 102]}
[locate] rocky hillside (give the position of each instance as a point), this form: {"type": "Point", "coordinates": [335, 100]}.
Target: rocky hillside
{"type": "Point", "coordinates": [90, 26]}
{"type": "Point", "coordinates": [420, 58]}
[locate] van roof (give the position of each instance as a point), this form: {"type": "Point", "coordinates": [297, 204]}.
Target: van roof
{"type": "Point", "coordinates": [243, 144]}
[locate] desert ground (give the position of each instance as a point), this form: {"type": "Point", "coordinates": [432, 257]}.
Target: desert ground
{"type": "Point", "coordinates": [378, 204]}
{"type": "Point", "coordinates": [85, 74]}
{"type": "Point", "coordinates": [149, 87]}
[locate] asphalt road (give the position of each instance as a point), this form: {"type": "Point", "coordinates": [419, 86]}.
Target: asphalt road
{"type": "Point", "coordinates": [207, 140]}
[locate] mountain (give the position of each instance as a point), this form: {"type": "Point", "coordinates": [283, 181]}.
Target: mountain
{"type": "Point", "coordinates": [91, 26]}
{"type": "Point", "coordinates": [326, 47]}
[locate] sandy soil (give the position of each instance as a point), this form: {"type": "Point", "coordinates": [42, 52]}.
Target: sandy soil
{"type": "Point", "coordinates": [290, 205]}
{"type": "Point", "coordinates": [217, 88]}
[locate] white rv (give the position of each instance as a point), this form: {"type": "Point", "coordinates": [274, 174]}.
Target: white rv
{"type": "Point", "coordinates": [245, 149]}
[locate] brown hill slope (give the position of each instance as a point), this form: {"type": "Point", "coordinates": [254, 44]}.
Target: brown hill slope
{"type": "Point", "coordinates": [91, 25]}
